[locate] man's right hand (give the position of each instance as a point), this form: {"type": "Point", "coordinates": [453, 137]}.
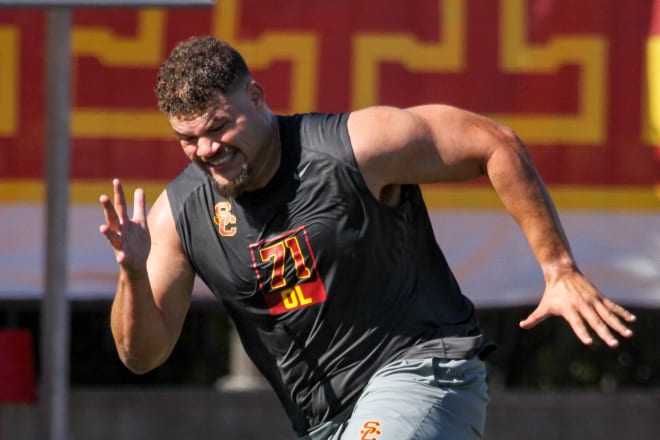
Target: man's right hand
{"type": "Point", "coordinates": [129, 237]}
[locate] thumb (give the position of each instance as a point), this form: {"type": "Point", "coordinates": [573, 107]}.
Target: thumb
{"type": "Point", "coordinates": [534, 318]}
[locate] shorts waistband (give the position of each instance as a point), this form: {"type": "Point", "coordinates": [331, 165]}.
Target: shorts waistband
{"type": "Point", "coordinates": [453, 347]}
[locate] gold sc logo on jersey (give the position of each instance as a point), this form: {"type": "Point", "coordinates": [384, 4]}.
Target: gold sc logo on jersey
{"type": "Point", "coordinates": [225, 220]}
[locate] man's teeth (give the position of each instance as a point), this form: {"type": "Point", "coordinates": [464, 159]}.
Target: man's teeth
{"type": "Point", "coordinates": [221, 159]}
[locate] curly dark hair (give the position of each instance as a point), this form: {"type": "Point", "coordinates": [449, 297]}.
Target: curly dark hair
{"type": "Point", "coordinates": [195, 72]}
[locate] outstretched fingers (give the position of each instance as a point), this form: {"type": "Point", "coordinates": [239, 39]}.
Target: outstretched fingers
{"type": "Point", "coordinates": [612, 315]}
{"type": "Point", "coordinates": [129, 237]}
{"type": "Point", "coordinates": [115, 213]}
{"type": "Point", "coordinates": [120, 201]}
{"type": "Point", "coordinates": [111, 227]}
{"type": "Point", "coordinates": [589, 313]}
{"type": "Point", "coordinates": [111, 217]}
{"type": "Point", "coordinates": [604, 316]}
{"type": "Point", "coordinates": [542, 312]}
{"type": "Point", "coordinates": [585, 310]}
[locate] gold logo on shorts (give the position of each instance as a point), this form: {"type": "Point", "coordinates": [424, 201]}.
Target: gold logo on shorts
{"type": "Point", "coordinates": [370, 430]}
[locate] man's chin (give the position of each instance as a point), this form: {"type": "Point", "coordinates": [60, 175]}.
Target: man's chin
{"type": "Point", "coordinates": [230, 189]}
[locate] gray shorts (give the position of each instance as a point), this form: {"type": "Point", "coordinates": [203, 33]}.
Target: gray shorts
{"type": "Point", "coordinates": [417, 399]}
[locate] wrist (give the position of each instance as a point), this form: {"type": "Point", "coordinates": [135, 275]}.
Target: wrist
{"type": "Point", "coordinates": [556, 267]}
{"type": "Point", "coordinates": [133, 275]}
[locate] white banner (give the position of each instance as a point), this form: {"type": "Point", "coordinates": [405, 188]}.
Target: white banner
{"type": "Point", "coordinates": [619, 251]}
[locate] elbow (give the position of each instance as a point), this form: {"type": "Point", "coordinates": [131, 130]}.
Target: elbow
{"type": "Point", "coordinates": [508, 144]}
{"type": "Point", "coordinates": [137, 370]}
{"type": "Point", "coordinates": [498, 147]}
{"type": "Point", "coordinates": [507, 138]}
{"type": "Point", "coordinates": [140, 352]}
{"type": "Point", "coordinates": [508, 156]}
{"type": "Point", "coordinates": [138, 366]}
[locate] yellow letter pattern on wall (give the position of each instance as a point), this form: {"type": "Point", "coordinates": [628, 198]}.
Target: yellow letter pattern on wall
{"type": "Point", "coordinates": [146, 50]}
{"type": "Point", "coordinates": [300, 48]}
{"type": "Point", "coordinates": [8, 80]}
{"type": "Point", "coordinates": [143, 50]}
{"type": "Point", "coordinates": [370, 49]}
{"type": "Point", "coordinates": [651, 127]}
{"type": "Point", "coordinates": [588, 52]}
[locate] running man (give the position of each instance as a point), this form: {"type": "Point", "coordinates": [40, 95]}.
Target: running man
{"type": "Point", "coordinates": [312, 232]}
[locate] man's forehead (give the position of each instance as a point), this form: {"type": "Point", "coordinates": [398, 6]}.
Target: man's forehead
{"type": "Point", "coordinates": [219, 110]}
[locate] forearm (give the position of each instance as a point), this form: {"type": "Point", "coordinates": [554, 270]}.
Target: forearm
{"type": "Point", "coordinates": [521, 189]}
{"type": "Point", "coordinates": [138, 325]}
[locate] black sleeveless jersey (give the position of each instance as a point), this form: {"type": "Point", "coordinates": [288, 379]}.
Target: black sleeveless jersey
{"type": "Point", "coordinates": [324, 283]}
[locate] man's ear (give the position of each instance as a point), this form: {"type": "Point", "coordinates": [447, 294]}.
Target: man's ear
{"type": "Point", "coordinates": [255, 93]}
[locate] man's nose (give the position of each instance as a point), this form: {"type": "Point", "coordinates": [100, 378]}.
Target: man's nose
{"type": "Point", "coordinates": [207, 146]}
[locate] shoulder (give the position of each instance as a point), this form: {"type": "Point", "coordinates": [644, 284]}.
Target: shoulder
{"type": "Point", "coordinates": [161, 223]}
{"type": "Point", "coordinates": [378, 132]}
{"type": "Point", "coordinates": [160, 212]}
{"type": "Point", "coordinates": [320, 134]}
{"type": "Point", "coordinates": [385, 138]}
{"type": "Point", "coordinates": [393, 126]}
{"type": "Point", "coordinates": [182, 187]}
{"type": "Point", "coordinates": [307, 122]}
{"type": "Point", "coordinates": [319, 128]}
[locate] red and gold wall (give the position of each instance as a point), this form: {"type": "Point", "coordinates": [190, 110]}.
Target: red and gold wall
{"type": "Point", "coordinates": [578, 81]}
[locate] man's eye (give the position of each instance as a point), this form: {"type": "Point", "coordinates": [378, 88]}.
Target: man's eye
{"type": "Point", "coordinates": [218, 128]}
{"type": "Point", "coordinates": [187, 141]}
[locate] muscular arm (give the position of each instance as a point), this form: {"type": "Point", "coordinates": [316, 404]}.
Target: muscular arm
{"type": "Point", "coordinates": [155, 281]}
{"type": "Point", "coordinates": [438, 143]}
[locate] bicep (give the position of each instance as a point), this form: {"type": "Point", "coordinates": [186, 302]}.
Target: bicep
{"type": "Point", "coordinates": [425, 144]}
{"type": "Point", "coordinates": [170, 274]}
